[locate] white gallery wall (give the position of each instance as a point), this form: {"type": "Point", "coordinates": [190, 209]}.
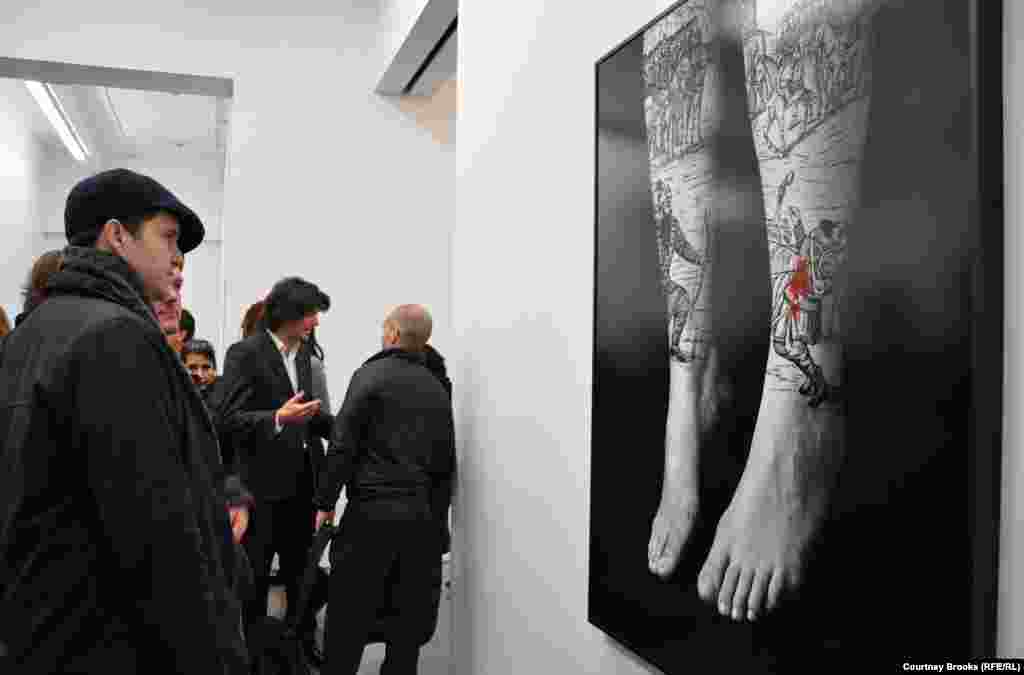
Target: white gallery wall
{"type": "Point", "coordinates": [325, 179]}
{"type": "Point", "coordinates": [1011, 541]}
{"type": "Point", "coordinates": [522, 296]}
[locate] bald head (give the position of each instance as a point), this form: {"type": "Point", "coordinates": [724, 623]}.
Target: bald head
{"type": "Point", "coordinates": [408, 327]}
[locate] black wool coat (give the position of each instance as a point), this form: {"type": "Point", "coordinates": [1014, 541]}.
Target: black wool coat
{"type": "Point", "coordinates": [255, 384]}
{"type": "Point", "coordinates": [393, 436]}
{"type": "Point", "coordinates": [115, 546]}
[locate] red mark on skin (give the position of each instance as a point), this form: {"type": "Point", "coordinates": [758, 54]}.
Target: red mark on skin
{"type": "Point", "coordinates": [799, 286]}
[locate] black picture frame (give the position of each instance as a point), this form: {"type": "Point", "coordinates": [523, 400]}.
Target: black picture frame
{"type": "Point", "coordinates": [921, 500]}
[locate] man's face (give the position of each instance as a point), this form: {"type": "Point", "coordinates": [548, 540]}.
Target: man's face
{"type": "Point", "coordinates": [202, 371]}
{"type": "Point", "coordinates": [301, 328]}
{"type": "Point", "coordinates": [168, 313]}
{"type": "Point", "coordinates": [153, 255]}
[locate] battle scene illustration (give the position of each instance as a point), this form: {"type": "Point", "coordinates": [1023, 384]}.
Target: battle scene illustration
{"type": "Point", "coordinates": [676, 57]}
{"type": "Point", "coordinates": [806, 103]}
{"type": "Point", "coordinates": [804, 72]}
{"type": "Point", "coordinates": [808, 91]}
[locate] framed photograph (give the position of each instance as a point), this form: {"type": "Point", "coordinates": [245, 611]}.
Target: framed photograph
{"type": "Point", "coordinates": [798, 333]}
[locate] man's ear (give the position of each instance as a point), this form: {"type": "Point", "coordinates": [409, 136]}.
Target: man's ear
{"type": "Point", "coordinates": [112, 236]}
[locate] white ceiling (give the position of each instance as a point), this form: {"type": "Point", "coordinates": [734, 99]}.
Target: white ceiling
{"type": "Point", "coordinates": [117, 123]}
{"type": "Point", "coordinates": [158, 119]}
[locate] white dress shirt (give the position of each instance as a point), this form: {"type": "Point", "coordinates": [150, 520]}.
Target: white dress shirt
{"type": "Point", "coordinates": [289, 360]}
{"type": "Point", "coordinates": [289, 365]}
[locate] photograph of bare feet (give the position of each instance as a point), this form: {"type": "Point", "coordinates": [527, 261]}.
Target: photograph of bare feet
{"type": "Point", "coordinates": [782, 399]}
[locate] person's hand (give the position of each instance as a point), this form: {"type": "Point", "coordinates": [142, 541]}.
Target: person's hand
{"type": "Point", "coordinates": [297, 412]}
{"type": "Point", "coordinates": [322, 517]}
{"type": "Point", "coordinates": [239, 521]}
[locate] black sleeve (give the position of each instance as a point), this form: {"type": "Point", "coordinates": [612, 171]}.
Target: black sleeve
{"type": "Point", "coordinates": [322, 425]}
{"type": "Point", "coordinates": [237, 420]}
{"type": "Point", "coordinates": [146, 503]}
{"type": "Point", "coordinates": [344, 445]}
{"type": "Point", "coordinates": [443, 480]}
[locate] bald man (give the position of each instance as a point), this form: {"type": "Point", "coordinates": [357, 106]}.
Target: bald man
{"type": "Point", "coordinates": [393, 450]}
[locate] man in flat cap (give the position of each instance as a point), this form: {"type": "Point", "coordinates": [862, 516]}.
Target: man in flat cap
{"type": "Point", "coordinates": [115, 547]}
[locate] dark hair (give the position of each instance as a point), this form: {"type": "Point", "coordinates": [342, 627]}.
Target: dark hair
{"type": "Point", "coordinates": [187, 323]}
{"type": "Point", "coordinates": [253, 317]}
{"type": "Point", "coordinates": [291, 299]}
{"type": "Point", "coordinates": [314, 345]}
{"type": "Point", "coordinates": [200, 347]}
{"type": "Point", "coordinates": [5, 323]}
{"type": "Point", "coordinates": [34, 290]}
{"type": "Point", "coordinates": [131, 222]}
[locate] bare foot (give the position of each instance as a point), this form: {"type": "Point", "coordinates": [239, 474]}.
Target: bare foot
{"type": "Point", "coordinates": [671, 527]}
{"type": "Point", "coordinates": [694, 398]}
{"type": "Point", "coordinates": [759, 549]}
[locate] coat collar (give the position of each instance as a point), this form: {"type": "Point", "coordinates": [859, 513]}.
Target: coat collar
{"type": "Point", "coordinates": [94, 273]}
{"type": "Point", "coordinates": [398, 353]}
{"type": "Point", "coordinates": [273, 356]}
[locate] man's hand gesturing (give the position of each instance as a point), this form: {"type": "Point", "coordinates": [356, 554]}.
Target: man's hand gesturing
{"type": "Point", "coordinates": [297, 412]}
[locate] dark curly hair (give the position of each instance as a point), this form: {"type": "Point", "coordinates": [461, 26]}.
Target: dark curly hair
{"type": "Point", "coordinates": [291, 299]}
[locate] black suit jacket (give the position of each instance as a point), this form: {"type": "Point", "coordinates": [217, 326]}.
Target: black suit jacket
{"type": "Point", "coordinates": [255, 384]}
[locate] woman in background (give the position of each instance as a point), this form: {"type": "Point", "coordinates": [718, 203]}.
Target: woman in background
{"type": "Point", "coordinates": [253, 317]}
{"type": "Point", "coordinates": [34, 290]}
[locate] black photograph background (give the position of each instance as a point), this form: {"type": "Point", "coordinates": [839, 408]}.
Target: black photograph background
{"type": "Point", "coordinates": [904, 565]}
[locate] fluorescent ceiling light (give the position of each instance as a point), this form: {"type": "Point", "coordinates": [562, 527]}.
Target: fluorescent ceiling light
{"type": "Point", "coordinates": [54, 111]}
{"type": "Point", "coordinates": [113, 113]}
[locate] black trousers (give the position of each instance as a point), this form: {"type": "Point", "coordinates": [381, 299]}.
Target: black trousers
{"type": "Point", "coordinates": [283, 527]}
{"type": "Point", "coordinates": [385, 584]}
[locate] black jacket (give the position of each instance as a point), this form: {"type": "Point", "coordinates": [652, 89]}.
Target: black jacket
{"type": "Point", "coordinates": [115, 544]}
{"type": "Point", "coordinates": [254, 385]}
{"type": "Point", "coordinates": [393, 436]}
{"type": "Point", "coordinates": [435, 364]}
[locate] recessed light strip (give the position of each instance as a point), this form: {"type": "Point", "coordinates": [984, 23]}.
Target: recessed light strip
{"type": "Point", "coordinates": [112, 111]}
{"type": "Point", "coordinates": [47, 100]}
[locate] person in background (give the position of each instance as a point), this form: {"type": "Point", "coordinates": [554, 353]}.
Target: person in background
{"type": "Point", "coordinates": [201, 362]}
{"type": "Point", "coordinates": [115, 540]}
{"type": "Point", "coordinates": [393, 451]}
{"type": "Point", "coordinates": [34, 291]}
{"type": "Point", "coordinates": [5, 323]}
{"type": "Point", "coordinates": [187, 326]}
{"type": "Point", "coordinates": [261, 411]}
{"type": "Point", "coordinates": [168, 315]}
{"type": "Point", "coordinates": [253, 317]}
{"type": "Point", "coordinates": [184, 327]}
